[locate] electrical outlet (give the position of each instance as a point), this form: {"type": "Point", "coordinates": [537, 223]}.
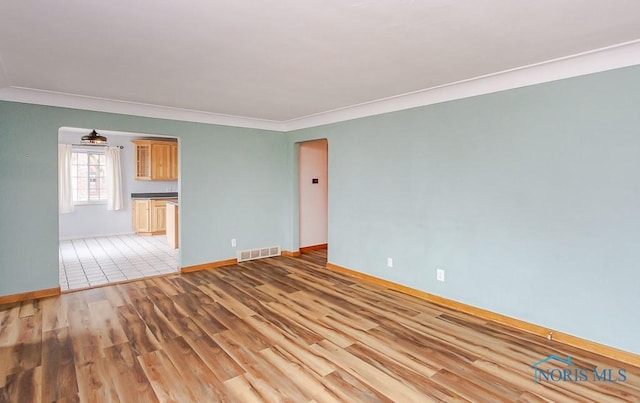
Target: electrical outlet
{"type": "Point", "coordinates": [389, 262]}
{"type": "Point", "coordinates": [233, 243]}
{"type": "Point", "coordinates": [440, 275]}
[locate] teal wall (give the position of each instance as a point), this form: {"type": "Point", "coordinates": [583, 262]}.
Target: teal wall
{"type": "Point", "coordinates": [233, 185]}
{"type": "Point", "coordinates": [529, 199]}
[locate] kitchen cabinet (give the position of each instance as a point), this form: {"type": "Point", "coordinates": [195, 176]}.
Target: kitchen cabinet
{"type": "Point", "coordinates": [150, 216]}
{"type": "Point", "coordinates": [141, 217]}
{"type": "Point", "coordinates": [172, 224]}
{"type": "Point", "coordinates": [156, 160]}
{"type": "Point", "coordinates": [173, 164]}
{"type": "Point", "coordinates": [158, 216]}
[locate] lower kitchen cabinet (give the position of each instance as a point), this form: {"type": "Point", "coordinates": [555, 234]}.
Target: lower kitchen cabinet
{"type": "Point", "coordinates": [150, 216]}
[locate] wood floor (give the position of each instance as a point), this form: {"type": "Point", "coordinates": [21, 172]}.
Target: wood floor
{"type": "Point", "coordinates": [278, 329]}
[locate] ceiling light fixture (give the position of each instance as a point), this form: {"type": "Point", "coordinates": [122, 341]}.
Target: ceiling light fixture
{"type": "Point", "coordinates": [94, 138]}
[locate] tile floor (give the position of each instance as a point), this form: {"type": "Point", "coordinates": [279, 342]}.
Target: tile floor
{"type": "Point", "coordinates": [90, 262]}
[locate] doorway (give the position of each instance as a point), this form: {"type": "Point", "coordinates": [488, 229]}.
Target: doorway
{"type": "Point", "coordinates": [313, 196]}
{"type": "Point", "coordinates": [97, 242]}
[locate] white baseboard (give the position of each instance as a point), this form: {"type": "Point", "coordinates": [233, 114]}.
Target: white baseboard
{"type": "Point", "coordinates": [71, 238]}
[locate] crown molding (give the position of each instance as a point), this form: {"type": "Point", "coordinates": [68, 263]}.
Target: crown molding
{"type": "Point", "coordinates": [40, 97]}
{"type": "Point", "coordinates": [609, 58]}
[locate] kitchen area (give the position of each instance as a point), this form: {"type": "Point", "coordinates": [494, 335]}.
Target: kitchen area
{"type": "Point", "coordinates": [140, 239]}
{"type": "Point", "coordinates": [156, 213]}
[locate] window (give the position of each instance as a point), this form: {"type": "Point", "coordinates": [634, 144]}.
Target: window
{"type": "Point", "coordinates": [88, 177]}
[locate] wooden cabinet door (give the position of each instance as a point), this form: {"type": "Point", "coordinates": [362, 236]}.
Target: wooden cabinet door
{"type": "Point", "coordinates": [158, 215]}
{"type": "Point", "coordinates": [143, 161]}
{"type": "Point", "coordinates": [161, 161]}
{"type": "Point", "coordinates": [172, 225]}
{"type": "Point", "coordinates": [173, 163]}
{"type": "Point", "coordinates": [141, 221]}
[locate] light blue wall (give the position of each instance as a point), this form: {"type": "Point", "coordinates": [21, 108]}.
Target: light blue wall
{"type": "Point", "coordinates": [529, 199]}
{"type": "Point", "coordinates": [233, 185]}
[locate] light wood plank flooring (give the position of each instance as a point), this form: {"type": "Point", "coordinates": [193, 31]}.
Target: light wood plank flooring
{"type": "Point", "coordinates": [278, 329]}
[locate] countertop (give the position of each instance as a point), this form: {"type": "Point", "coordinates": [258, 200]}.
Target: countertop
{"type": "Point", "coordinates": [163, 195]}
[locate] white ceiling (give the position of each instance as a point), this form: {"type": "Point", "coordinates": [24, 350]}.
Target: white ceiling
{"type": "Point", "coordinates": [284, 60]}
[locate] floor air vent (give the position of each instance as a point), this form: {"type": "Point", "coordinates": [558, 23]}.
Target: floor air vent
{"type": "Point", "coordinates": [259, 253]}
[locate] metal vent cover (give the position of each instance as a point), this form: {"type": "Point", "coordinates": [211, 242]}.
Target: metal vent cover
{"type": "Point", "coordinates": [258, 253]}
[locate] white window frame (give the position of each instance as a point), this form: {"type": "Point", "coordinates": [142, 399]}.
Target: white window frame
{"type": "Point", "coordinates": [94, 151]}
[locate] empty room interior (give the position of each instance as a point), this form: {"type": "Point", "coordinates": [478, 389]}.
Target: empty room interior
{"type": "Point", "coordinates": [320, 201]}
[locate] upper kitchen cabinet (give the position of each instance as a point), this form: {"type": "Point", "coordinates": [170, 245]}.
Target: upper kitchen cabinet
{"type": "Point", "coordinates": [156, 160]}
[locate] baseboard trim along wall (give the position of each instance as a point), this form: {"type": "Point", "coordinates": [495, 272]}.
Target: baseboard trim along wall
{"type": "Point", "coordinates": [311, 248]}
{"type": "Point", "coordinates": [611, 352]}
{"type": "Point", "coordinates": [74, 237]}
{"type": "Point", "coordinates": [289, 253]}
{"type": "Point", "coordinates": [211, 265]}
{"type": "Point", "coordinates": [27, 296]}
